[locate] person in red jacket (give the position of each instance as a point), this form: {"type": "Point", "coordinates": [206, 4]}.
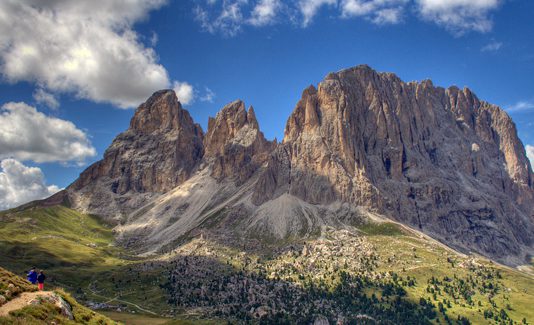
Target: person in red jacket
{"type": "Point", "coordinates": [40, 280]}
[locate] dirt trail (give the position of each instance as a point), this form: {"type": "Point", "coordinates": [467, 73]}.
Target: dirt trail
{"type": "Point", "coordinates": [94, 293]}
{"type": "Point", "coordinates": [22, 301]}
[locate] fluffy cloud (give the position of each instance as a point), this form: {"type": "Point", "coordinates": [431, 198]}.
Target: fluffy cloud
{"type": "Point", "coordinates": [388, 16]}
{"type": "Point", "coordinates": [184, 92]}
{"type": "Point", "coordinates": [87, 48]}
{"type": "Point", "coordinates": [309, 8]}
{"type": "Point", "coordinates": [378, 11]}
{"type": "Point", "coordinates": [264, 12]}
{"type": "Point", "coordinates": [227, 19]}
{"type": "Point", "coordinates": [20, 184]}
{"type": "Point", "coordinates": [230, 16]}
{"type": "Point", "coordinates": [26, 134]}
{"type": "Point", "coordinates": [187, 94]}
{"type": "Point", "coordinates": [459, 15]}
{"type": "Point", "coordinates": [530, 154]}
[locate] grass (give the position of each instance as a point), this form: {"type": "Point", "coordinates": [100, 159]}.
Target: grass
{"type": "Point", "coordinates": [381, 229]}
{"type": "Point", "coordinates": [45, 312]}
{"type": "Point", "coordinates": [77, 252]}
{"type": "Point", "coordinates": [422, 260]}
{"type": "Point", "coordinates": [73, 248]}
{"type": "Point", "coordinates": [135, 319]}
{"type": "Point", "coordinates": [55, 237]}
{"type": "Point", "coordinates": [139, 319]}
{"type": "Point", "coordinates": [7, 278]}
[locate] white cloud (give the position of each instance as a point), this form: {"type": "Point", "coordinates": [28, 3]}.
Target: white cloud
{"type": "Point", "coordinates": [26, 134]}
{"type": "Point", "coordinates": [377, 11]}
{"type": "Point", "coordinates": [42, 97]}
{"type": "Point", "coordinates": [208, 96]}
{"type": "Point", "coordinates": [388, 16]}
{"type": "Point", "coordinates": [459, 16]}
{"type": "Point", "coordinates": [493, 46]}
{"type": "Point", "coordinates": [228, 21]}
{"type": "Point", "coordinates": [309, 8]}
{"type": "Point", "coordinates": [184, 92]}
{"type": "Point", "coordinates": [264, 12]}
{"type": "Point", "coordinates": [86, 48]}
{"type": "Point", "coordinates": [530, 154]}
{"type": "Point", "coordinates": [520, 106]}
{"type": "Point", "coordinates": [230, 16]}
{"type": "Point", "coordinates": [20, 184]}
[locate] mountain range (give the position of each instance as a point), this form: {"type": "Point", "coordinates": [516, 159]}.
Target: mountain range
{"type": "Point", "coordinates": [360, 145]}
{"type": "Point", "coordinates": [385, 202]}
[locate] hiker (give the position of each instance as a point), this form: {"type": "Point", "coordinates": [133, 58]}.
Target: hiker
{"type": "Point", "coordinates": [40, 280]}
{"type": "Point", "coordinates": [32, 276]}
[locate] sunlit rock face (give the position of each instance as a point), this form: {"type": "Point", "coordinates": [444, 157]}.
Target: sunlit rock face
{"type": "Point", "coordinates": [160, 150]}
{"type": "Point", "coordinates": [439, 160]}
{"type": "Point", "coordinates": [234, 143]}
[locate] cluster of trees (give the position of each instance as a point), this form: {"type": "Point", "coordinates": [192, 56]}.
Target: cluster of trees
{"type": "Point", "coordinates": [246, 294]}
{"type": "Point", "coordinates": [300, 286]}
{"type": "Point", "coordinates": [463, 290]}
{"type": "Point", "coordinates": [481, 280]}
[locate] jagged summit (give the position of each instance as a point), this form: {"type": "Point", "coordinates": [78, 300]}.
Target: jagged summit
{"type": "Point", "coordinates": [234, 143]}
{"type": "Point", "coordinates": [160, 150]}
{"type": "Point", "coordinates": [360, 67]}
{"type": "Point", "coordinates": [232, 124]}
{"type": "Point", "coordinates": [162, 111]}
{"type": "Point", "coordinates": [438, 160]}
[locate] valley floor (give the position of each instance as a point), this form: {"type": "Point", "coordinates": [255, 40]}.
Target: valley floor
{"type": "Point", "coordinates": [376, 272]}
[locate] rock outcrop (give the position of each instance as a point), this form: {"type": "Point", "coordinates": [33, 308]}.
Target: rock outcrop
{"type": "Point", "coordinates": [436, 159]}
{"type": "Point", "coordinates": [234, 143]}
{"type": "Point", "coordinates": [160, 150]}
{"type": "Point", "coordinates": [439, 160]}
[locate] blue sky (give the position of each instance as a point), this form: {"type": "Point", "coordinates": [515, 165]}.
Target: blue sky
{"type": "Point", "coordinates": [72, 71]}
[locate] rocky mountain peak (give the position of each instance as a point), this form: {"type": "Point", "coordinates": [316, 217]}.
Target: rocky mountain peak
{"type": "Point", "coordinates": [161, 112]}
{"type": "Point", "coordinates": [225, 126]}
{"type": "Point", "coordinates": [251, 118]}
{"type": "Point", "coordinates": [233, 125]}
{"type": "Point", "coordinates": [304, 116]}
{"type": "Point", "coordinates": [436, 159]}
{"type": "Point", "coordinates": [234, 142]}
{"type": "Point", "coordinates": [160, 150]}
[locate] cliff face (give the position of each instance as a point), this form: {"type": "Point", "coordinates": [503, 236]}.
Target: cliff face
{"type": "Point", "coordinates": [160, 150]}
{"type": "Point", "coordinates": [439, 160]}
{"type": "Point", "coordinates": [234, 143]}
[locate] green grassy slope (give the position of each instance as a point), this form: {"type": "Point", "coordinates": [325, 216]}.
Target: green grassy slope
{"type": "Point", "coordinates": [55, 237]}
{"type": "Point", "coordinates": [44, 312]}
{"type": "Point", "coordinates": [77, 251]}
{"type": "Point", "coordinates": [7, 278]}
{"type": "Point", "coordinates": [394, 262]}
{"type": "Point", "coordinates": [472, 286]}
{"type": "Point", "coordinates": [73, 248]}
{"type": "Point", "coordinates": [67, 244]}
{"type": "Point", "coordinates": [135, 319]}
